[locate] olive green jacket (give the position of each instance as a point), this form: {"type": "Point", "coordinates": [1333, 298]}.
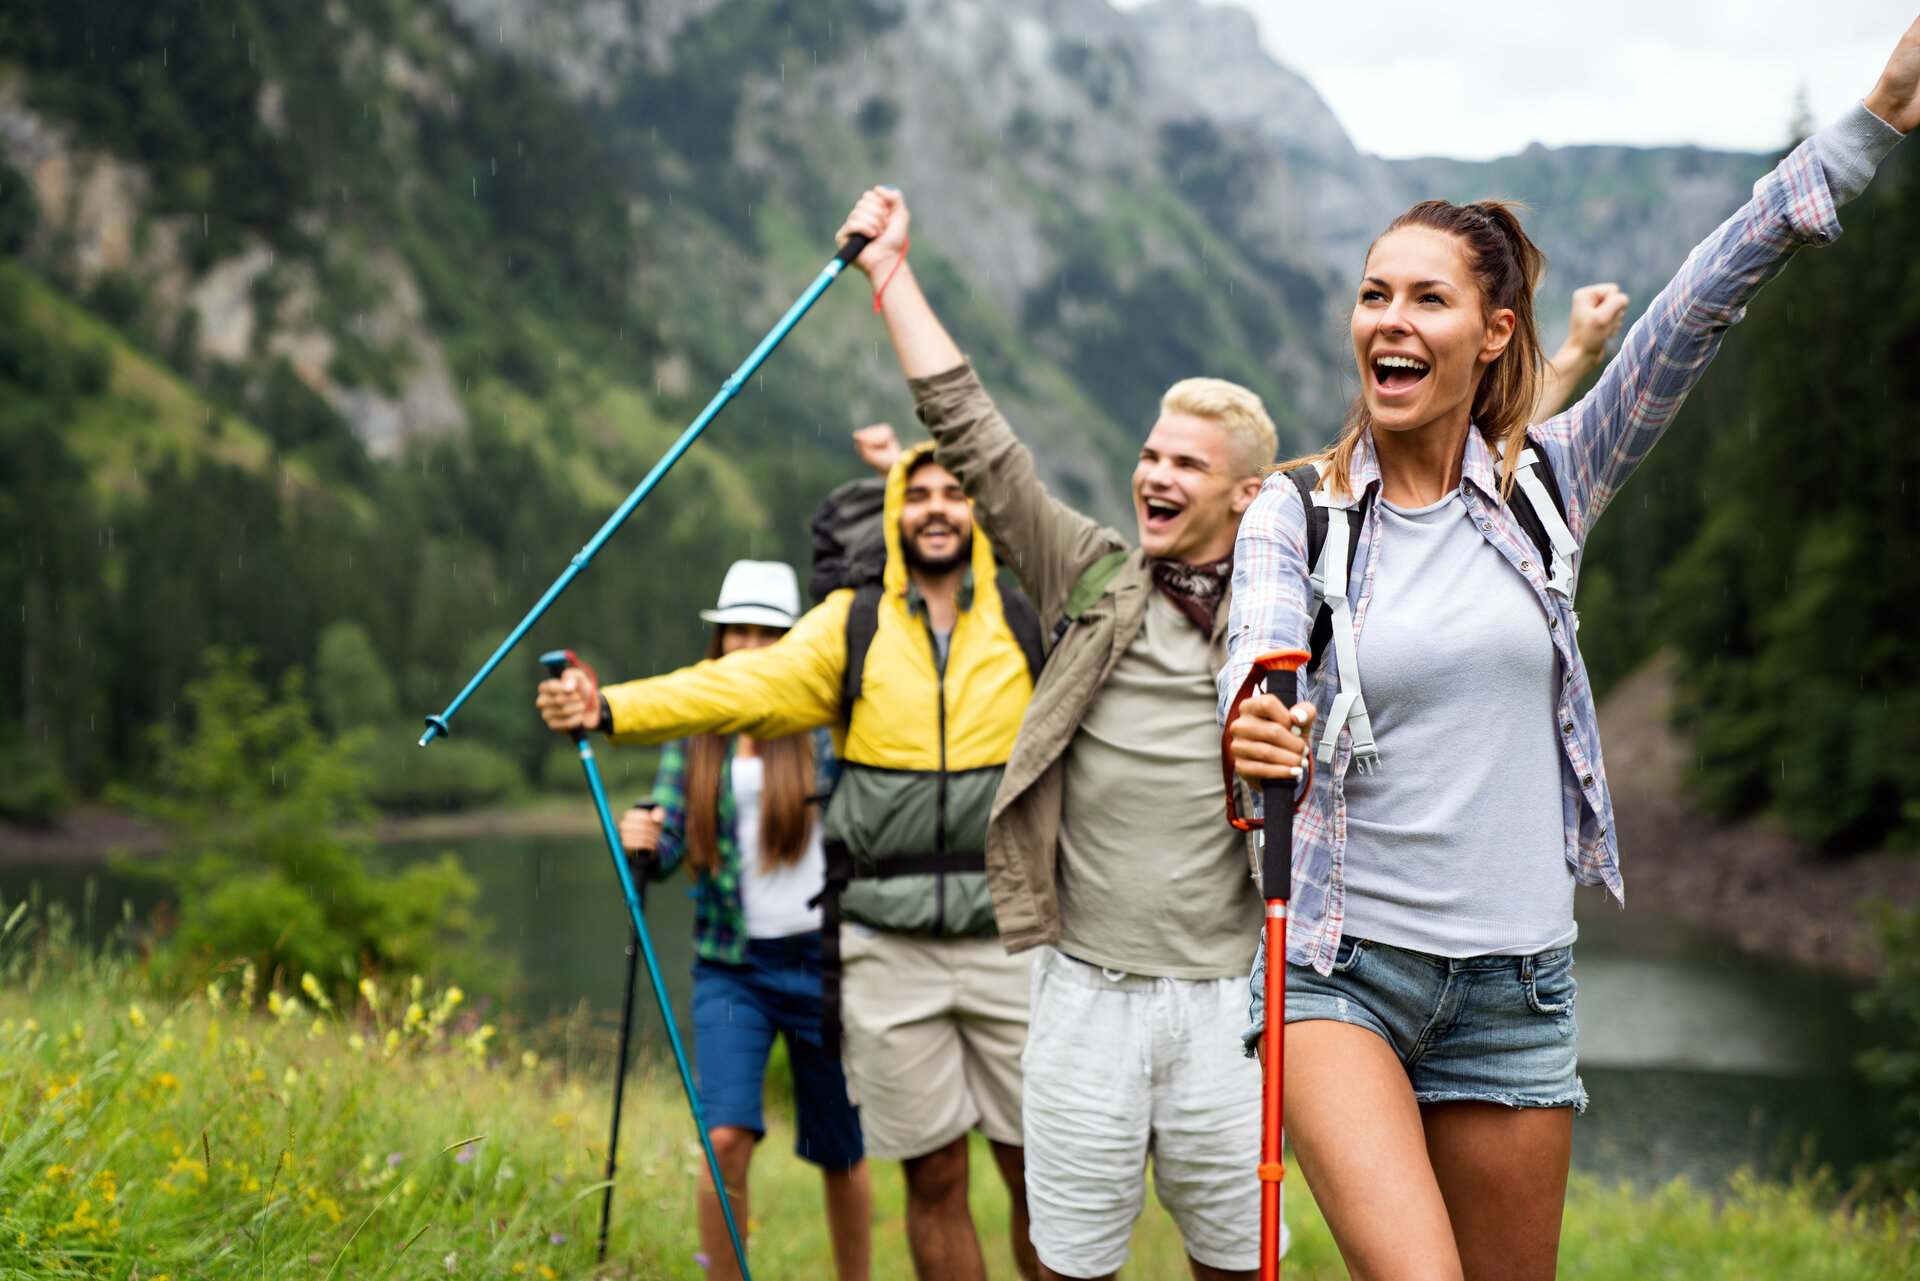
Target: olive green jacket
{"type": "Point", "coordinates": [1049, 546]}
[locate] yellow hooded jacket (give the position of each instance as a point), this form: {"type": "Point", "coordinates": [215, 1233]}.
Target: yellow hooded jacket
{"type": "Point", "coordinates": [921, 755]}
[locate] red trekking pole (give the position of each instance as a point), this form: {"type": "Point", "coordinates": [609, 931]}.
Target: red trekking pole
{"type": "Point", "coordinates": [1279, 669]}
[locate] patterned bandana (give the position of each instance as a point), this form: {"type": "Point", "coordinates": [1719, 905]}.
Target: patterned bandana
{"type": "Point", "coordinates": [1196, 590]}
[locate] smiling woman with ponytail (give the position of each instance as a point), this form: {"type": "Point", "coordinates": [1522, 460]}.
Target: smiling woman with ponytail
{"type": "Point", "coordinates": [1431, 1079]}
{"type": "Point", "coordinates": [1506, 268]}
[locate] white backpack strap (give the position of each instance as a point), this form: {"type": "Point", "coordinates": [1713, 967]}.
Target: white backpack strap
{"type": "Point", "coordinates": [1330, 584]}
{"type": "Point", "coordinates": [1317, 579]}
{"type": "Point", "coordinates": [1560, 565]}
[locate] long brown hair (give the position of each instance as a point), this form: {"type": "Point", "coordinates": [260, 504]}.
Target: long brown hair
{"type": "Point", "coordinates": [786, 820]}
{"type": "Point", "coordinates": [1507, 267]}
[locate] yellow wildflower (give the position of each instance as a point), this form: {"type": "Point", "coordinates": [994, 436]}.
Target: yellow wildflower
{"type": "Point", "coordinates": [356, 1042]}
{"type": "Point", "coordinates": [166, 1080]}
{"type": "Point", "coordinates": [371, 994]}
{"type": "Point", "coordinates": [547, 1273]}
{"type": "Point", "coordinates": [415, 1015]}
{"type": "Point", "coordinates": [415, 986]}
{"type": "Point", "coordinates": [290, 1078]}
{"type": "Point", "coordinates": [393, 1040]}
{"type": "Point", "coordinates": [529, 1060]}
{"type": "Point", "coordinates": [563, 1119]}
{"type": "Point", "coordinates": [249, 980]}
{"type": "Point", "coordinates": [136, 1015]}
{"type": "Point", "coordinates": [315, 993]}
{"type": "Point", "coordinates": [319, 1026]}
{"type": "Point", "coordinates": [216, 993]}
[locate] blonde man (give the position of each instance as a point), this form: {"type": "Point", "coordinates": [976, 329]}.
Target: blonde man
{"type": "Point", "coordinates": [1107, 851]}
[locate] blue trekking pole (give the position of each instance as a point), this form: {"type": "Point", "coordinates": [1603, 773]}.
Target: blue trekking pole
{"type": "Point", "coordinates": [437, 725]}
{"type": "Point", "coordinates": [557, 661]}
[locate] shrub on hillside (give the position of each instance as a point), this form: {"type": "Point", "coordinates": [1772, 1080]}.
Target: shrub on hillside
{"type": "Point", "coordinates": [32, 789]}
{"type": "Point", "coordinates": [261, 804]}
{"type": "Point", "coordinates": [455, 774]}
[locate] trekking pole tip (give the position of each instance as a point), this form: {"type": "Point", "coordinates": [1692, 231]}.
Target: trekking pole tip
{"type": "Point", "coordinates": [436, 728]}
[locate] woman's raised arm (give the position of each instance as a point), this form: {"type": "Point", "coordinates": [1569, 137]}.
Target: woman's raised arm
{"type": "Point", "coordinates": [1596, 445]}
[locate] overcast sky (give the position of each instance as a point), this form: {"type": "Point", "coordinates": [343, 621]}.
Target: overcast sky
{"type": "Point", "coordinates": [1481, 78]}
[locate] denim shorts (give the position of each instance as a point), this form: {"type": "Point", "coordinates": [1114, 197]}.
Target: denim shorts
{"type": "Point", "coordinates": [737, 1011]}
{"type": "Point", "coordinates": [1494, 1029]}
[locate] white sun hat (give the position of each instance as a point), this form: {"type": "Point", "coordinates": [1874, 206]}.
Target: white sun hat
{"type": "Point", "coordinates": [766, 592]}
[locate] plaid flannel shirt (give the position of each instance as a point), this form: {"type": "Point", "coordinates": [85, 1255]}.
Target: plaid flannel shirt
{"type": "Point", "coordinates": [1593, 447]}
{"type": "Point", "coordinates": [719, 916]}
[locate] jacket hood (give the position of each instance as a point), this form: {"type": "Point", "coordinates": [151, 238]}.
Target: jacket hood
{"type": "Point", "coordinates": [895, 575]}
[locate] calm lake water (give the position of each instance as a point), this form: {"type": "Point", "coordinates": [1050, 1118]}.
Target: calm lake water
{"type": "Point", "coordinates": [1699, 1059]}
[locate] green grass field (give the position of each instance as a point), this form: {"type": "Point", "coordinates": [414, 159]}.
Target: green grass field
{"type": "Point", "coordinates": [152, 1139]}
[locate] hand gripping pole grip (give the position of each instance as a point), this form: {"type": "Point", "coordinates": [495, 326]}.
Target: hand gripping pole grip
{"type": "Point", "coordinates": [1279, 669]}
{"type": "Point", "coordinates": [851, 250]}
{"type": "Point", "coordinates": [557, 661]}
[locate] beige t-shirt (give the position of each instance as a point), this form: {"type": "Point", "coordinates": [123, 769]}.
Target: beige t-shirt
{"type": "Point", "coordinates": [1152, 878]}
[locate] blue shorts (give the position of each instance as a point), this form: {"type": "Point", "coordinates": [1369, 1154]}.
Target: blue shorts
{"type": "Point", "coordinates": [737, 1010]}
{"type": "Point", "coordinates": [1494, 1029]}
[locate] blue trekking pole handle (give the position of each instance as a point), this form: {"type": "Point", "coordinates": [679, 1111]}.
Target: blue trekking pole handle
{"type": "Point", "coordinates": [439, 725]}
{"type": "Point", "coordinates": [556, 662]}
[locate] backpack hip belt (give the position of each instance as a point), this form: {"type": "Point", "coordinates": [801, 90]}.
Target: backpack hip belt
{"type": "Point", "coordinates": [842, 869]}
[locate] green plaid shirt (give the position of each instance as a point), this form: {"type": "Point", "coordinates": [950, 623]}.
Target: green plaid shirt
{"type": "Point", "coordinates": [719, 919]}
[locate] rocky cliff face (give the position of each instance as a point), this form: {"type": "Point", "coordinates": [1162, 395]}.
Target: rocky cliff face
{"type": "Point", "coordinates": [98, 230]}
{"type": "Point", "coordinates": [1622, 214]}
{"type": "Point", "coordinates": [1132, 196]}
{"type": "Point", "coordinates": [1104, 202]}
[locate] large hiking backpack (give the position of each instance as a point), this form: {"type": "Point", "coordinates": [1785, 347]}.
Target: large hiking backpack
{"type": "Point", "coordinates": [849, 537]}
{"type": "Point", "coordinates": [1535, 503]}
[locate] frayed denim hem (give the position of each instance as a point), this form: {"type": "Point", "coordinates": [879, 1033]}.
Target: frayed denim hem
{"type": "Point", "coordinates": [1576, 1100]}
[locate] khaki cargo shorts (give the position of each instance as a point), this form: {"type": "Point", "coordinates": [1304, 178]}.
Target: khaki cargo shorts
{"type": "Point", "coordinates": [934, 1032]}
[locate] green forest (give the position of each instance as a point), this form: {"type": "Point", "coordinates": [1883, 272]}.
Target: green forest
{"type": "Point", "coordinates": [156, 501]}
{"type": "Point", "coordinates": [155, 504]}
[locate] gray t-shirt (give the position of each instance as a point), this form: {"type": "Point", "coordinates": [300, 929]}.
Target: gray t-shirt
{"type": "Point", "coordinates": [1456, 846]}
{"type": "Point", "coordinates": [1152, 879]}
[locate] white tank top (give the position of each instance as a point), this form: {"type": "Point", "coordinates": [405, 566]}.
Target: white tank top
{"type": "Point", "coordinates": [774, 899]}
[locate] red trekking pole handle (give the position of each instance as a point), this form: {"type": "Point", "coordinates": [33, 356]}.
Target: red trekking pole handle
{"type": "Point", "coordinates": [1280, 670]}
